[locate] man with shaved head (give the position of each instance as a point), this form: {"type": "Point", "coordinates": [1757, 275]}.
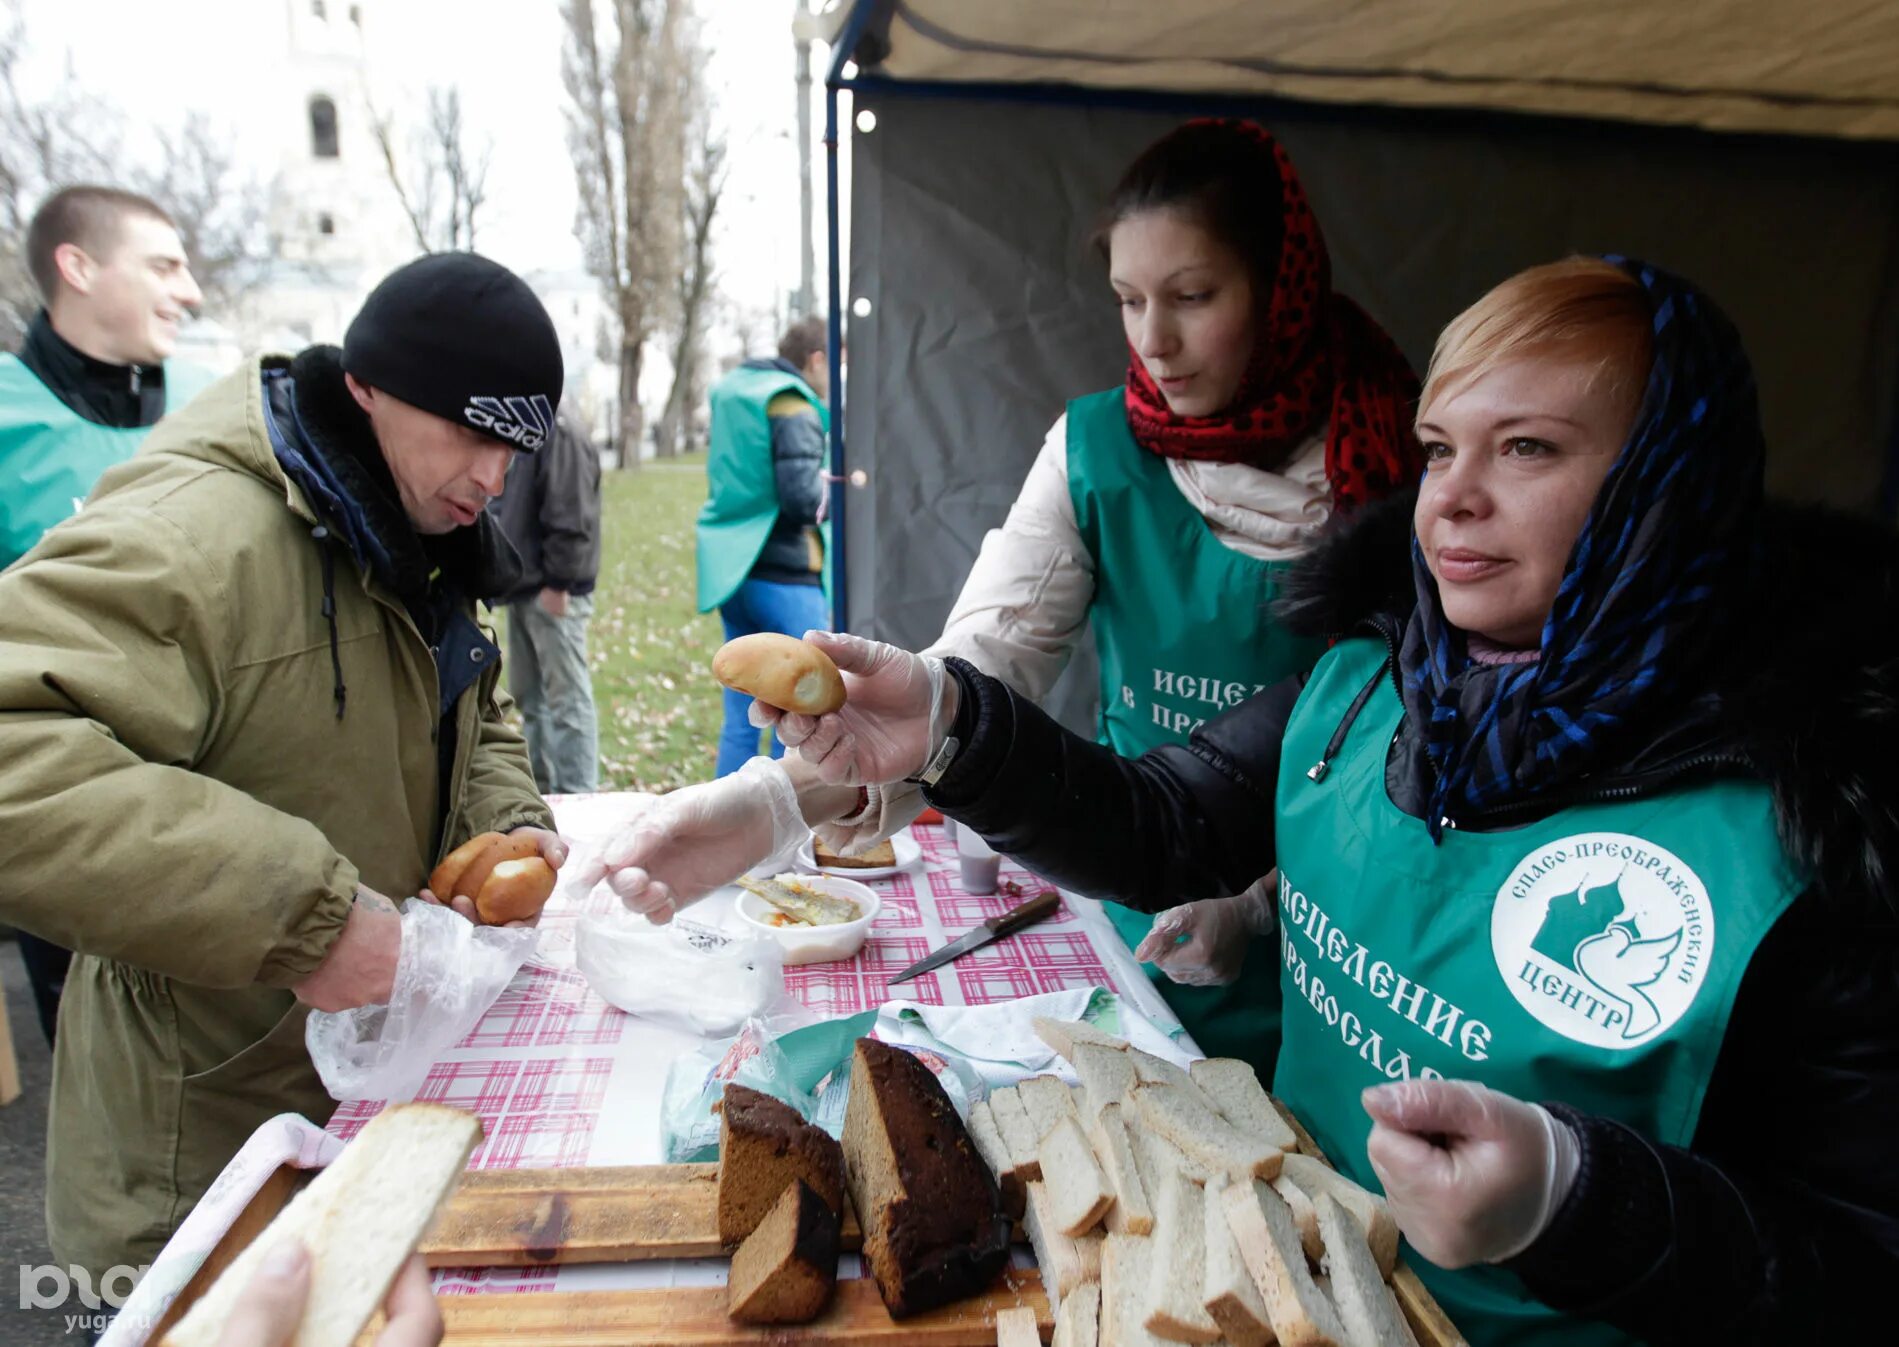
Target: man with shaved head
{"type": "Point", "coordinates": [89, 382]}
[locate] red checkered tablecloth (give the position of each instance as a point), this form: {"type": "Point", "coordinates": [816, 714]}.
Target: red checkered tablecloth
{"type": "Point", "coordinates": [561, 1079]}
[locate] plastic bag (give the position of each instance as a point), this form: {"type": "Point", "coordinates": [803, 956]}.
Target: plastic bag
{"type": "Point", "coordinates": [682, 974]}
{"type": "Point", "coordinates": [448, 973]}
{"type": "Point", "coordinates": [696, 1080]}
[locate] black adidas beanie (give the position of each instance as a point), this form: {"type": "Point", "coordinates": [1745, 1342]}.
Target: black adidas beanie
{"type": "Point", "coordinates": [465, 339]}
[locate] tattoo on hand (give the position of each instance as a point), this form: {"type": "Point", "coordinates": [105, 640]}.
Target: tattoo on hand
{"type": "Point", "coordinates": [374, 901]}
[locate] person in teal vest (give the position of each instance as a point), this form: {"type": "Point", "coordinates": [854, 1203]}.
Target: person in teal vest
{"type": "Point", "coordinates": [91, 379]}
{"type": "Point", "coordinates": [1160, 515]}
{"type": "Point", "coordinates": [761, 555]}
{"type": "Point", "coordinates": [1595, 802]}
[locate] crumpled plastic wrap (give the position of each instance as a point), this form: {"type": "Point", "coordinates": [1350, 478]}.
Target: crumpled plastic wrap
{"type": "Point", "coordinates": [682, 974]}
{"type": "Point", "coordinates": [448, 973]}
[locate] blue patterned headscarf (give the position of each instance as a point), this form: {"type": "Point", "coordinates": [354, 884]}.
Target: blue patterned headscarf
{"type": "Point", "coordinates": [1655, 583]}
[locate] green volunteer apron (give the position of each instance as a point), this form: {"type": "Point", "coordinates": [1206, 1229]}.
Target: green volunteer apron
{"type": "Point", "coordinates": [741, 486]}
{"type": "Point", "coordinates": [50, 456]}
{"type": "Point", "coordinates": [1185, 630]}
{"type": "Point", "coordinates": [1591, 958]}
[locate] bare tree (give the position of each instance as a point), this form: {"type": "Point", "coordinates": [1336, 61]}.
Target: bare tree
{"type": "Point", "coordinates": [621, 72]}
{"type": "Point", "coordinates": [705, 183]}
{"type": "Point", "coordinates": [445, 186]}
{"type": "Point", "coordinates": [223, 216]}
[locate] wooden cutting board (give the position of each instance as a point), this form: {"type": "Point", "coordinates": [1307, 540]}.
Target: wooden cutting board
{"type": "Point", "coordinates": [532, 1217]}
{"type": "Point", "coordinates": [695, 1317]}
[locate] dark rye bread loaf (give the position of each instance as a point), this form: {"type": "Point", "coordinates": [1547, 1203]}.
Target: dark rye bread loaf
{"type": "Point", "coordinates": [786, 1270]}
{"type": "Point", "coordinates": [764, 1147]}
{"type": "Point", "coordinates": [932, 1217]}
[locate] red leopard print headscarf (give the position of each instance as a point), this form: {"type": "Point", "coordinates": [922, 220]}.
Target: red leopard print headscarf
{"type": "Point", "coordinates": [1317, 355]}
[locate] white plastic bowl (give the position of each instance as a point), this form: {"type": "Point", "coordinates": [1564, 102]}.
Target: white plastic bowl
{"type": "Point", "coordinates": [815, 944]}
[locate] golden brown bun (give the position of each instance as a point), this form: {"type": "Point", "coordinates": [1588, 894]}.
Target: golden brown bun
{"type": "Point", "coordinates": [513, 847]}
{"type": "Point", "coordinates": [517, 890]}
{"type": "Point", "coordinates": [781, 671]}
{"type": "Point", "coordinates": [442, 878]}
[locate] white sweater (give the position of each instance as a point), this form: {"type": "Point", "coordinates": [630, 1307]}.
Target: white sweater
{"type": "Point", "coordinates": [1025, 604]}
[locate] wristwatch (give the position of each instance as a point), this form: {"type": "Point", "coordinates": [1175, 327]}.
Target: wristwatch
{"type": "Point", "coordinates": [938, 764]}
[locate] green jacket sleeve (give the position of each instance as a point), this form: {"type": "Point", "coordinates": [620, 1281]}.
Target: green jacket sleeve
{"type": "Point", "coordinates": [501, 794]}
{"type": "Point", "coordinates": [111, 689]}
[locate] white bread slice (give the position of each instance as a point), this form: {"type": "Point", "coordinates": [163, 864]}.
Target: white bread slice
{"type": "Point", "coordinates": [1365, 1304]}
{"type": "Point", "coordinates": [1202, 1134]}
{"type": "Point", "coordinates": [1367, 1208]}
{"type": "Point", "coordinates": [1017, 1328]}
{"type": "Point", "coordinates": [1153, 1070]}
{"type": "Point", "coordinates": [1241, 1100]}
{"type": "Point", "coordinates": [1269, 1245]}
{"type": "Point", "coordinates": [1078, 1191]}
{"type": "Point", "coordinates": [1046, 1100]}
{"type": "Point", "coordinates": [1176, 1299]}
{"type": "Point", "coordinates": [1126, 1272]}
{"type": "Point", "coordinates": [1131, 1214]}
{"type": "Point", "coordinates": [1305, 1216]}
{"type": "Point", "coordinates": [1078, 1324]}
{"type": "Point", "coordinates": [1232, 1297]}
{"type": "Point", "coordinates": [360, 1219]}
{"type": "Point", "coordinates": [1156, 1155]}
{"type": "Point", "coordinates": [1065, 1035]}
{"type": "Point", "coordinates": [1066, 1263]}
{"type": "Point", "coordinates": [1018, 1133]}
{"type": "Point", "coordinates": [995, 1153]}
{"type": "Point", "coordinates": [1106, 1076]}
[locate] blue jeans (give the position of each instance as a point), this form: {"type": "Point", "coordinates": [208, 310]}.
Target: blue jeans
{"type": "Point", "coordinates": [761, 605]}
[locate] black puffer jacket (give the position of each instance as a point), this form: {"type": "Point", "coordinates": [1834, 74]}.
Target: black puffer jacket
{"type": "Point", "coordinates": [1781, 1222]}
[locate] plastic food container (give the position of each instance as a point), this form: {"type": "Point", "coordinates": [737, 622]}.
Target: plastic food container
{"type": "Point", "coordinates": [814, 944]}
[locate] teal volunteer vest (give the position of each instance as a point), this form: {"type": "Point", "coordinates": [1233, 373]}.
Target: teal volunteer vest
{"type": "Point", "coordinates": [1590, 958]}
{"type": "Point", "coordinates": [50, 456]}
{"type": "Point", "coordinates": [1184, 628]}
{"type": "Point", "coordinates": [741, 491]}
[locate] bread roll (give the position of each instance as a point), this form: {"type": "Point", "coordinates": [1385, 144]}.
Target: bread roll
{"type": "Point", "coordinates": [442, 878]}
{"type": "Point", "coordinates": [503, 875]}
{"type": "Point", "coordinates": [517, 890]}
{"type": "Point", "coordinates": [515, 847]}
{"type": "Point", "coordinates": [781, 671]}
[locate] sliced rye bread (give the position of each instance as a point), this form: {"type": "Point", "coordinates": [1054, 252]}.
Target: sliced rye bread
{"type": "Point", "coordinates": [1176, 1297]}
{"type": "Point", "coordinates": [1017, 1328]}
{"type": "Point", "coordinates": [930, 1209]}
{"type": "Point", "coordinates": [1079, 1193]}
{"type": "Point", "coordinates": [360, 1219]}
{"type": "Point", "coordinates": [764, 1147]}
{"type": "Point", "coordinates": [1313, 1177]}
{"type": "Point", "coordinates": [1065, 1035]}
{"type": "Point", "coordinates": [786, 1270]}
{"type": "Point", "coordinates": [1205, 1136]}
{"type": "Point", "coordinates": [1242, 1100]}
{"type": "Point", "coordinates": [1366, 1306]}
{"type": "Point", "coordinates": [1232, 1297]}
{"type": "Point", "coordinates": [1018, 1133]}
{"type": "Point", "coordinates": [995, 1152]}
{"type": "Point", "coordinates": [1078, 1322]}
{"type": "Point", "coordinates": [1132, 1213]}
{"type": "Point", "coordinates": [1066, 1263]}
{"type": "Point", "coordinates": [1106, 1076]}
{"type": "Point", "coordinates": [1269, 1245]}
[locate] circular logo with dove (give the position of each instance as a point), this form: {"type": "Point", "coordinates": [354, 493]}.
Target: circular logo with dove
{"type": "Point", "coordinates": [1603, 937]}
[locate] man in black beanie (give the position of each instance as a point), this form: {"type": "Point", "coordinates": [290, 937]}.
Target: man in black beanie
{"type": "Point", "coordinates": [245, 703]}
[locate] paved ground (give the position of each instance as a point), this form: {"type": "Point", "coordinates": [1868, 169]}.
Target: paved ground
{"type": "Point", "coordinates": [23, 1174]}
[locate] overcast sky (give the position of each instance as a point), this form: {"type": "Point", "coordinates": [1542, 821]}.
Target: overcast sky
{"type": "Point", "coordinates": [158, 59]}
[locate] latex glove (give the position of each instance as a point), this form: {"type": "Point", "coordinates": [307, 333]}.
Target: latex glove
{"type": "Point", "coordinates": [893, 720]}
{"type": "Point", "coordinates": [1473, 1176]}
{"type": "Point", "coordinates": [677, 848]}
{"type": "Point", "coordinates": [269, 1311]}
{"type": "Point", "coordinates": [1216, 934]}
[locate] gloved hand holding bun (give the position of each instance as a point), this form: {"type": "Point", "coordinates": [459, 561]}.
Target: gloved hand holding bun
{"type": "Point", "coordinates": [504, 877]}
{"type": "Point", "coordinates": [781, 671]}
